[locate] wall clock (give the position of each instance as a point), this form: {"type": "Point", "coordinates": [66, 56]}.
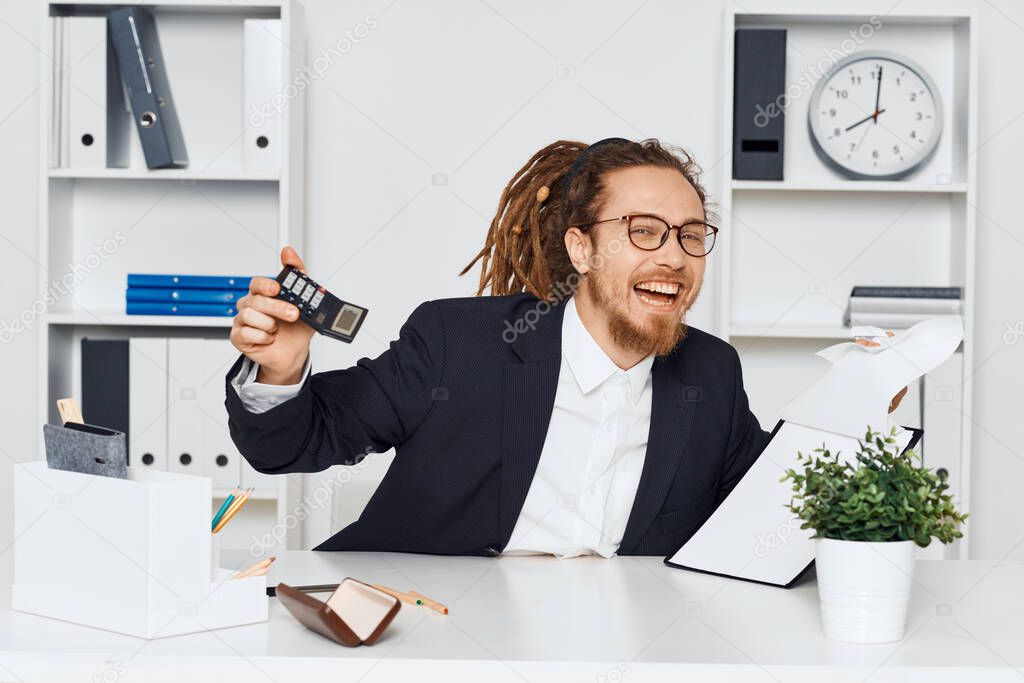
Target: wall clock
{"type": "Point", "coordinates": [875, 115]}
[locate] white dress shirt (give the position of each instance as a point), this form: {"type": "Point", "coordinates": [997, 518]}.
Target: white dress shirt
{"type": "Point", "coordinates": [258, 397]}
{"type": "Point", "coordinates": [589, 470]}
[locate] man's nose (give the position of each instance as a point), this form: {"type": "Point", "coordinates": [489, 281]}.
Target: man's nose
{"type": "Point", "coordinates": [671, 253]}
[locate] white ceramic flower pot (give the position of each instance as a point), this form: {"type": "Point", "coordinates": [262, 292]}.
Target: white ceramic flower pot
{"type": "Point", "coordinates": [864, 588]}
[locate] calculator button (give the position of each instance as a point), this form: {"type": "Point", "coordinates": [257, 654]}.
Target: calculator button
{"type": "Point", "coordinates": [298, 287]}
{"type": "Point", "coordinates": [317, 298]}
{"type": "Point", "coordinates": [308, 293]}
{"type": "Point", "coordinates": [289, 280]}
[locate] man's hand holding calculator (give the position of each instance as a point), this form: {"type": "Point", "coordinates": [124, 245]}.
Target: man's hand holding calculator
{"type": "Point", "coordinates": [268, 330]}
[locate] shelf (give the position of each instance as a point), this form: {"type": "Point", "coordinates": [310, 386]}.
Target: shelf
{"type": "Point", "coordinates": [184, 5]}
{"type": "Point", "coordinates": [837, 332]}
{"type": "Point", "coordinates": [108, 319]}
{"type": "Point", "coordinates": [183, 175]}
{"type": "Point", "coordinates": [846, 186]}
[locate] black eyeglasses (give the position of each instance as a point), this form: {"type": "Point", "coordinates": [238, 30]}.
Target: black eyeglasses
{"type": "Point", "coordinates": [649, 233]}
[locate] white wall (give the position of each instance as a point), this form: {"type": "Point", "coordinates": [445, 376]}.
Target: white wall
{"type": "Point", "coordinates": [19, 125]}
{"type": "Point", "coordinates": [464, 90]}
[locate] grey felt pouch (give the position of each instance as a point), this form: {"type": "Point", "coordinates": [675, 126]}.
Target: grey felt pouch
{"type": "Point", "coordinates": [86, 448]}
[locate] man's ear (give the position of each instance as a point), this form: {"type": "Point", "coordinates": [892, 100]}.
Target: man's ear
{"type": "Point", "coordinates": [579, 248]}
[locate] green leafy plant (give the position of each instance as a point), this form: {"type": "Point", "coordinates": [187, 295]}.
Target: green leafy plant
{"type": "Point", "coordinates": [881, 495]}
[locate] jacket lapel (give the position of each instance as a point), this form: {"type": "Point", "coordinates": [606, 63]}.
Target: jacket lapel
{"type": "Point", "coordinates": [529, 399]}
{"type": "Point", "coordinates": [671, 421]}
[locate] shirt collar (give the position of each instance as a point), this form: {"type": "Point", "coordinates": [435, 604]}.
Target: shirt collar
{"type": "Point", "coordinates": [589, 364]}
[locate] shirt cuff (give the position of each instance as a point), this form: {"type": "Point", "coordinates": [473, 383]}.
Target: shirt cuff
{"type": "Point", "coordinates": [259, 398]}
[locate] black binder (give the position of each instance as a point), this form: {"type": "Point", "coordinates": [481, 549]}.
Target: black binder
{"type": "Point", "coordinates": [759, 117]}
{"type": "Point", "coordinates": [132, 31]}
{"type": "Point", "coordinates": [105, 388]}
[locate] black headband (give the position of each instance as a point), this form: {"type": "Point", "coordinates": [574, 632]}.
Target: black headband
{"type": "Point", "coordinates": [581, 161]}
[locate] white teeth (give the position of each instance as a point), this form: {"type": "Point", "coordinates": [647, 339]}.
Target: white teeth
{"type": "Point", "coordinates": [652, 301]}
{"type": "Point", "coordinates": [660, 287]}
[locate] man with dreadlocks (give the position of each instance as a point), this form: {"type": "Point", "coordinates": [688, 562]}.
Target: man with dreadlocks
{"type": "Point", "coordinates": [572, 411]}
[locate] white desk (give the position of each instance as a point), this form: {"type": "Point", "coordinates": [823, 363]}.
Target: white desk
{"type": "Point", "coordinates": [540, 619]}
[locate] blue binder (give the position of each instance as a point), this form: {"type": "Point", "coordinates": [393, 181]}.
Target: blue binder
{"type": "Point", "coordinates": [194, 296]}
{"type": "Point", "coordinates": [188, 281]}
{"type": "Point", "coordinates": [133, 34]}
{"type": "Point", "coordinates": [157, 308]}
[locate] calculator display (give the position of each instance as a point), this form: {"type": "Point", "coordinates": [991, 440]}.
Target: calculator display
{"type": "Point", "coordinates": [347, 319]}
{"type": "Point", "coordinates": [318, 308]}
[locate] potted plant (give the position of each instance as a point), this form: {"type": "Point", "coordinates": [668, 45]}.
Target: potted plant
{"type": "Point", "coordinates": [867, 514]}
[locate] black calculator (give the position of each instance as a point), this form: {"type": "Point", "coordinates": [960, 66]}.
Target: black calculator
{"type": "Point", "coordinates": [318, 308]}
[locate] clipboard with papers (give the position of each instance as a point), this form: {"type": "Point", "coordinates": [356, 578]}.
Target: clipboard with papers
{"type": "Point", "coordinates": [752, 535]}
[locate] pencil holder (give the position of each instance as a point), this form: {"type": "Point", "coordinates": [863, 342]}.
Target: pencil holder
{"type": "Point", "coordinates": [133, 555]}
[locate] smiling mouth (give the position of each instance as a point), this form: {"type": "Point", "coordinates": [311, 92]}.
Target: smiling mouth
{"type": "Point", "coordinates": [659, 293]}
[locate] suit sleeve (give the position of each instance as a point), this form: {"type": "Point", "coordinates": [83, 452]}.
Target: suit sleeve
{"type": "Point", "coordinates": [339, 417]}
{"type": "Point", "coordinates": [746, 438]}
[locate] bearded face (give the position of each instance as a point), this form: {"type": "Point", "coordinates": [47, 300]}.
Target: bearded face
{"type": "Point", "coordinates": [639, 297]}
{"type": "Point", "coordinates": [645, 314]}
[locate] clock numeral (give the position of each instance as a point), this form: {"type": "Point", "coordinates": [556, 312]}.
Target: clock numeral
{"type": "Point", "coordinates": [832, 112]}
{"type": "Point", "coordinates": [895, 149]}
{"type": "Point", "coordinates": [836, 132]}
{"type": "Point", "coordinates": [855, 80]}
{"type": "Point", "coordinates": [874, 154]}
{"type": "Point", "coordinates": [913, 97]}
{"type": "Point", "coordinates": [842, 94]}
{"type": "Point", "coordinates": [913, 135]}
{"type": "Point", "coordinates": [918, 116]}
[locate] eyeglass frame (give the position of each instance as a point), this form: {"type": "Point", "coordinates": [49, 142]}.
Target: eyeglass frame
{"type": "Point", "coordinates": [664, 238]}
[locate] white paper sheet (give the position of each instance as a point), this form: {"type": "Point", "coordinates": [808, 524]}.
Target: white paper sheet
{"type": "Point", "coordinates": [856, 390]}
{"type": "Point", "coordinates": [753, 535]}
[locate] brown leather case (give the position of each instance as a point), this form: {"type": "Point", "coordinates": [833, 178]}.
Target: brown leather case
{"type": "Point", "coordinates": [317, 615]}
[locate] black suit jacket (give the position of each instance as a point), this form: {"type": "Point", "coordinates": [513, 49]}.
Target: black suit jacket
{"type": "Point", "coordinates": [465, 396]}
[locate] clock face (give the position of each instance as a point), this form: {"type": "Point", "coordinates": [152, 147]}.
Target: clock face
{"type": "Point", "coordinates": [875, 115]}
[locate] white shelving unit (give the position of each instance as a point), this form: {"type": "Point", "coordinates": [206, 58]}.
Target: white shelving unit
{"type": "Point", "coordinates": [794, 248]}
{"type": "Point", "coordinates": [214, 217]}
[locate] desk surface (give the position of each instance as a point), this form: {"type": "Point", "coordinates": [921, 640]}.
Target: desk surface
{"type": "Point", "coordinates": [540, 618]}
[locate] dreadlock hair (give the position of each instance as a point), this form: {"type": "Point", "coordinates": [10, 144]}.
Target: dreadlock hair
{"type": "Point", "coordinates": [525, 247]}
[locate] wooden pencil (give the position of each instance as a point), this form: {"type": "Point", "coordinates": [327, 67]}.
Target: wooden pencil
{"type": "Point", "coordinates": [258, 569]}
{"type": "Point", "coordinates": [414, 598]}
{"type": "Point", "coordinates": [233, 510]}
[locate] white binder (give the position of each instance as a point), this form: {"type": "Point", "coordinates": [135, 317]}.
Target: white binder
{"type": "Point", "coordinates": [263, 96]}
{"type": "Point", "coordinates": [87, 106]}
{"type": "Point", "coordinates": [221, 459]}
{"type": "Point", "coordinates": [65, 89]}
{"type": "Point", "coordinates": [147, 402]}
{"type": "Point", "coordinates": [222, 356]}
{"type": "Point", "coordinates": [184, 418]}
{"type": "Point", "coordinates": [56, 79]}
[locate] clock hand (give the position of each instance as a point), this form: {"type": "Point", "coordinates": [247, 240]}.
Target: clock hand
{"type": "Point", "coordinates": [864, 120]}
{"type": "Point", "coordinates": [878, 93]}
{"type": "Point", "coordinates": [861, 141]}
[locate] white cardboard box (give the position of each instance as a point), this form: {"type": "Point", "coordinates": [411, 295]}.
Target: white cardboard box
{"type": "Point", "coordinates": [126, 555]}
